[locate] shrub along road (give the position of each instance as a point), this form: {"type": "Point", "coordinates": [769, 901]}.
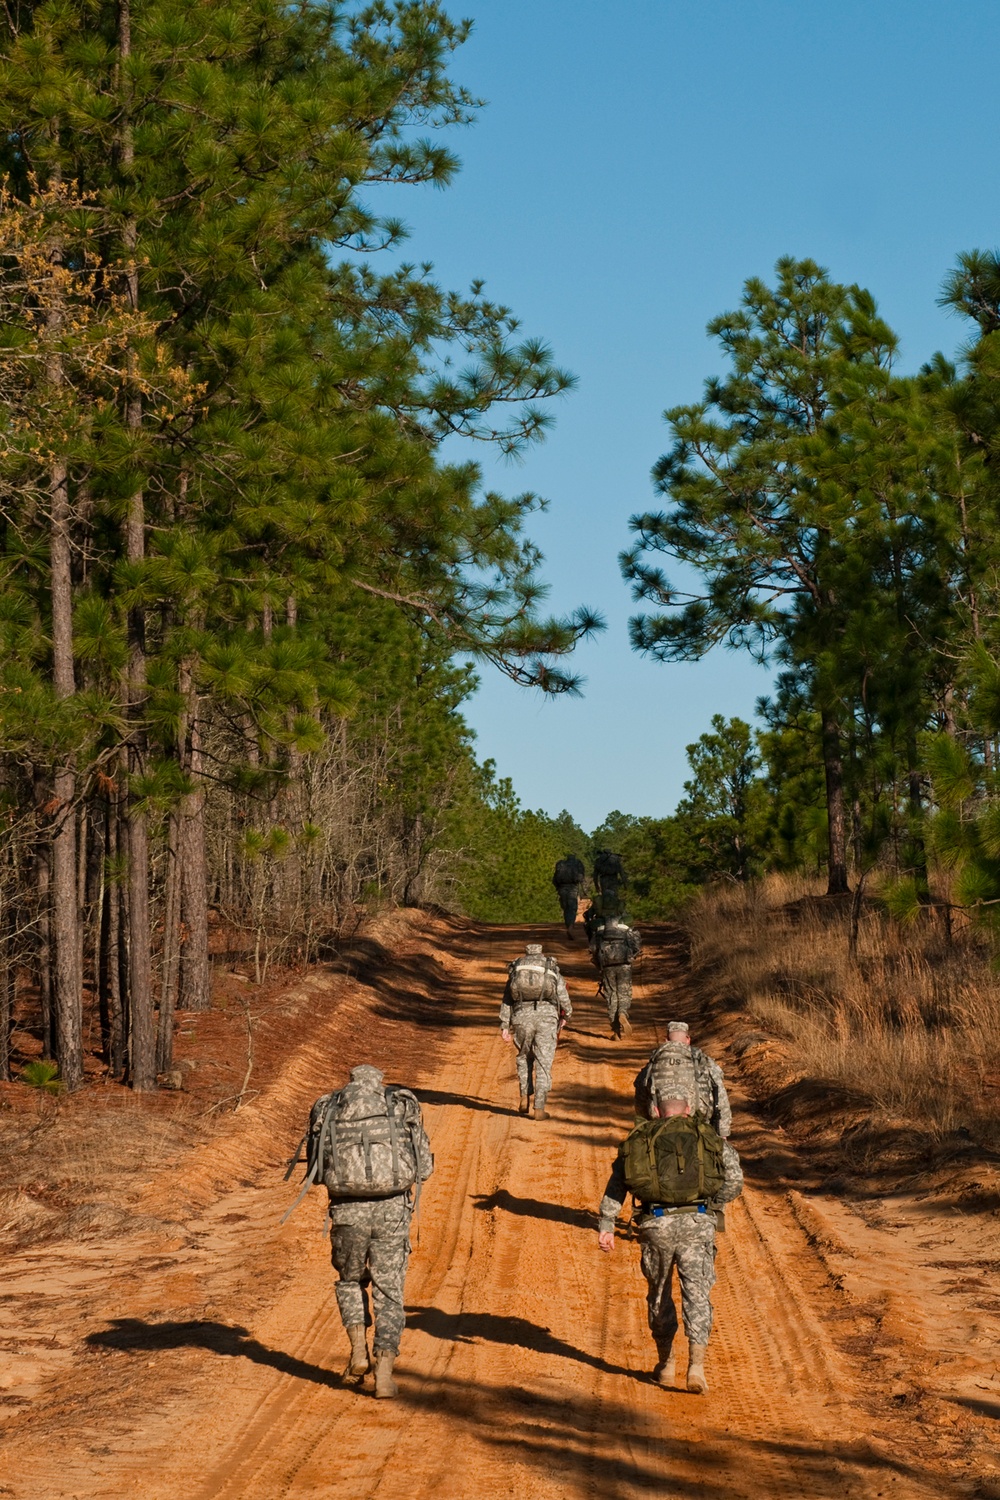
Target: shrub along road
{"type": "Point", "coordinates": [203, 1351]}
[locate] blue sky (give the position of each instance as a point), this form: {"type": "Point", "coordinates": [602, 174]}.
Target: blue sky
{"type": "Point", "coordinates": [635, 163]}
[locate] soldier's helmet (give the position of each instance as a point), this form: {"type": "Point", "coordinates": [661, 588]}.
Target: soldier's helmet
{"type": "Point", "coordinates": [678, 1026]}
{"type": "Point", "coordinates": [533, 948]}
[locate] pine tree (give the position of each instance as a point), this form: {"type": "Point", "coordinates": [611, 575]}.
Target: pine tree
{"type": "Point", "coordinates": [224, 153]}
{"type": "Point", "coordinates": [773, 543]}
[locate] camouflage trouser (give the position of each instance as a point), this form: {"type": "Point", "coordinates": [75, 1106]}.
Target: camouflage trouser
{"type": "Point", "coordinates": [616, 982]}
{"type": "Point", "coordinates": [608, 887]}
{"type": "Point", "coordinates": [687, 1241]}
{"type": "Point", "coordinates": [569, 900]}
{"type": "Point", "coordinates": [535, 1028]}
{"type": "Point", "coordinates": [371, 1245]}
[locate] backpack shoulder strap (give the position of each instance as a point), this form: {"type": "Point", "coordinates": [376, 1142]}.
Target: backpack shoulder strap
{"type": "Point", "coordinates": [315, 1172]}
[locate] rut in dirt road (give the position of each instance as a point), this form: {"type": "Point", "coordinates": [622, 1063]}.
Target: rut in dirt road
{"type": "Point", "coordinates": [524, 1367]}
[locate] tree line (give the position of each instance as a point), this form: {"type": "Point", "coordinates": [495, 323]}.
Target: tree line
{"type": "Point", "coordinates": [238, 567]}
{"type": "Point", "coordinates": [840, 518]}
{"type": "Point", "coordinates": [246, 587]}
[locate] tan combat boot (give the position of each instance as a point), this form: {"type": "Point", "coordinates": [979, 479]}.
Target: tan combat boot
{"type": "Point", "coordinates": [385, 1386]}
{"type": "Point", "coordinates": [360, 1364]}
{"type": "Point", "coordinates": [540, 1109]}
{"type": "Point", "coordinates": [624, 1024]}
{"type": "Point", "coordinates": [665, 1371]}
{"type": "Point", "coordinates": [524, 1105]}
{"type": "Point", "coordinates": [696, 1381]}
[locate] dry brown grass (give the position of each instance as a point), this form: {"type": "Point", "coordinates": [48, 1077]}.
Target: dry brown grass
{"type": "Point", "coordinates": [912, 1023]}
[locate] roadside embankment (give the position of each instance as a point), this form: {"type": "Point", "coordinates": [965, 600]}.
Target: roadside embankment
{"type": "Point", "coordinates": [881, 1067]}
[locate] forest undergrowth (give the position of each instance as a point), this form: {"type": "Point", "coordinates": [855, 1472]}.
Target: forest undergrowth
{"type": "Point", "coordinates": [900, 1035]}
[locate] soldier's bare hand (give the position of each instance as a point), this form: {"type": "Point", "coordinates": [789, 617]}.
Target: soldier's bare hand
{"type": "Point", "coordinates": [606, 1241]}
{"type": "Point", "coordinates": [505, 1035]}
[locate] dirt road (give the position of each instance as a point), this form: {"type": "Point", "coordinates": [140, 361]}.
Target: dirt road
{"type": "Point", "coordinates": [208, 1364]}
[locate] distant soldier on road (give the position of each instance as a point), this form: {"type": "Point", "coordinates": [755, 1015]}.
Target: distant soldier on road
{"type": "Point", "coordinates": [677, 1069]}
{"type": "Point", "coordinates": [609, 874]}
{"type": "Point", "coordinates": [568, 878]}
{"type": "Point", "coordinates": [534, 1009]}
{"type": "Point", "coordinates": [680, 1173]}
{"type": "Point", "coordinates": [367, 1144]}
{"type": "Point", "coordinates": [616, 945]}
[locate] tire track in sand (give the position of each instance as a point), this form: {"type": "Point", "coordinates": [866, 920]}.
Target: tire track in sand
{"type": "Point", "coordinates": [524, 1366]}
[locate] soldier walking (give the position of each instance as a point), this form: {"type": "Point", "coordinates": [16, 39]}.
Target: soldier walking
{"type": "Point", "coordinates": [367, 1144]}
{"type": "Point", "coordinates": [534, 1009]}
{"type": "Point", "coordinates": [677, 1069]}
{"type": "Point", "coordinates": [568, 878]}
{"type": "Point", "coordinates": [680, 1173]}
{"type": "Point", "coordinates": [616, 944]}
{"type": "Point", "coordinates": [609, 874]}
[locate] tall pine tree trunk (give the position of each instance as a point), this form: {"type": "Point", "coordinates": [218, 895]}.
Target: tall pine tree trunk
{"type": "Point", "coordinates": [836, 814]}
{"type": "Point", "coordinates": [8, 964]}
{"type": "Point", "coordinates": [142, 1033]}
{"type": "Point", "coordinates": [171, 937]}
{"type": "Point", "coordinates": [64, 921]}
{"type": "Point", "coordinates": [195, 970]}
{"type": "Point", "coordinates": [43, 940]}
{"type": "Point", "coordinates": [110, 962]}
{"type": "Point", "coordinates": [64, 900]}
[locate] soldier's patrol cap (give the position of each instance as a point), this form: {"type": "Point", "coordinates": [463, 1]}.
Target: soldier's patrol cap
{"type": "Point", "coordinates": [366, 1073]}
{"type": "Point", "coordinates": [532, 947]}
{"type": "Point", "coordinates": [678, 1026]}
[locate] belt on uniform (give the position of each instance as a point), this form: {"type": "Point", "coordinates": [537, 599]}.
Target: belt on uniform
{"type": "Point", "coordinates": [523, 1004]}
{"type": "Point", "coordinates": [660, 1210]}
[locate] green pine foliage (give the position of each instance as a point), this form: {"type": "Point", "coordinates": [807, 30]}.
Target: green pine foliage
{"type": "Point", "coordinates": [841, 520]}
{"type": "Point", "coordinates": [510, 854]}
{"type": "Point", "coordinates": [238, 566]}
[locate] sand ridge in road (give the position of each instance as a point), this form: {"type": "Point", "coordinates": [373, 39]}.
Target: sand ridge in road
{"type": "Point", "coordinates": [524, 1362]}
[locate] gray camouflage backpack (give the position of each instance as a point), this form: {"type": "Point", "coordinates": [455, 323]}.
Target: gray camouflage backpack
{"type": "Point", "coordinates": [532, 978]}
{"type": "Point", "coordinates": [613, 948]}
{"type": "Point", "coordinates": [364, 1141]}
{"type": "Point", "coordinates": [670, 1074]}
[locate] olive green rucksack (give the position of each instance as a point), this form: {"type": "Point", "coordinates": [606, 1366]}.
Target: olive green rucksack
{"type": "Point", "coordinates": [675, 1161]}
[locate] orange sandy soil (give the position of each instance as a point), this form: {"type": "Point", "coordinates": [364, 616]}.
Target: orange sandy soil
{"type": "Point", "coordinates": [164, 1337]}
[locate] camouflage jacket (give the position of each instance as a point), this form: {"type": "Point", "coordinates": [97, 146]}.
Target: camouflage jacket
{"type": "Point", "coordinates": [561, 1002]}
{"type": "Point", "coordinates": [626, 935]}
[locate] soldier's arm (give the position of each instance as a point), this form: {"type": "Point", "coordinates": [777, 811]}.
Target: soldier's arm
{"type": "Point", "coordinates": [723, 1109]}
{"type": "Point", "coordinates": [613, 1201]}
{"type": "Point", "coordinates": [506, 1008]}
{"type": "Point", "coordinates": [562, 996]}
{"type": "Point", "coordinates": [733, 1173]}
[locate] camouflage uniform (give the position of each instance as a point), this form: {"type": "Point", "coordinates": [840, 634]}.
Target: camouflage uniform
{"type": "Point", "coordinates": [616, 979]}
{"type": "Point", "coordinates": [609, 874]}
{"type": "Point", "coordinates": [682, 1238]}
{"type": "Point", "coordinates": [370, 1238]}
{"type": "Point", "coordinates": [534, 1026]}
{"type": "Point", "coordinates": [370, 1243]}
{"type": "Point", "coordinates": [569, 901]}
{"type": "Point", "coordinates": [569, 891]}
{"type": "Point", "coordinates": [713, 1099]}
